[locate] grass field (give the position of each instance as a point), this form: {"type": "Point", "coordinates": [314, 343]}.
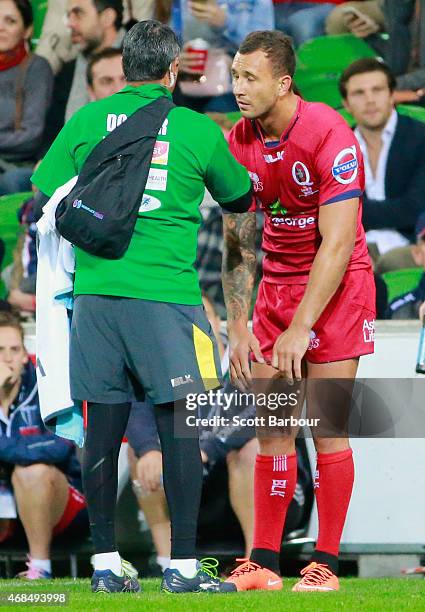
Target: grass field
{"type": "Point", "coordinates": [384, 594]}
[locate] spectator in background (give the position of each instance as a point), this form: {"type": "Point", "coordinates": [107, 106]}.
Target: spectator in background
{"type": "Point", "coordinates": [302, 20]}
{"type": "Point", "coordinates": [393, 147]}
{"type": "Point", "coordinates": [361, 18]}
{"type": "Point", "coordinates": [95, 25]}
{"type": "Point", "coordinates": [39, 472]}
{"type": "Point", "coordinates": [412, 303]}
{"type": "Point", "coordinates": [105, 75]}
{"type": "Point", "coordinates": [222, 25]}
{"type": "Point", "coordinates": [405, 52]}
{"type": "Point", "coordinates": [25, 92]}
{"type": "Point", "coordinates": [55, 42]}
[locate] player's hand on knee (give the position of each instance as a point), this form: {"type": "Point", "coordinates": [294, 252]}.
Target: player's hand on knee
{"type": "Point", "coordinates": [242, 342]}
{"type": "Point", "coordinates": [422, 311]}
{"type": "Point", "coordinates": [289, 350]}
{"type": "Point", "coordinates": [149, 470]}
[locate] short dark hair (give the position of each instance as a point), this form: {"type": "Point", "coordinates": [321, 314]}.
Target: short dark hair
{"type": "Point", "coordinates": [9, 319]}
{"type": "Point", "coordinates": [116, 5]}
{"type": "Point", "coordinates": [277, 47]}
{"type": "Point", "coordinates": [361, 66]}
{"type": "Point", "coordinates": [97, 57]}
{"type": "Point", "coordinates": [148, 50]}
{"type": "Point", "coordinates": [25, 9]}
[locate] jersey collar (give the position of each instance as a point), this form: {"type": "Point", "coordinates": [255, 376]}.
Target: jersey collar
{"type": "Point", "coordinates": [285, 135]}
{"type": "Point", "coordinates": [151, 91]}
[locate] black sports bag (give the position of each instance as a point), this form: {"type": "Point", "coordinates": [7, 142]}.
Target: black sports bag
{"type": "Point", "coordinates": [100, 212]}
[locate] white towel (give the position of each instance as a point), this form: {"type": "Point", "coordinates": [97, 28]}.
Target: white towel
{"type": "Point", "coordinates": [55, 281]}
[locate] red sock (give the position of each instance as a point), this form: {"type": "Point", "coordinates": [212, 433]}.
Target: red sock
{"type": "Point", "coordinates": [333, 485]}
{"type": "Point", "coordinates": [274, 486]}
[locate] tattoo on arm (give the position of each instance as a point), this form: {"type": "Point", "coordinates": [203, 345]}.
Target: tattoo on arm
{"type": "Point", "coordinates": [239, 263]}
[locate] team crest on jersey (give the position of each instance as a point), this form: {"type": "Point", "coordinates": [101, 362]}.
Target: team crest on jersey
{"type": "Point", "coordinates": [256, 181]}
{"type": "Point", "coordinates": [345, 167]}
{"type": "Point", "coordinates": [301, 174]}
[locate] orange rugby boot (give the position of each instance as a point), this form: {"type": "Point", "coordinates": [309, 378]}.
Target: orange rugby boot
{"type": "Point", "coordinates": [250, 576]}
{"type": "Point", "coordinates": [317, 577]}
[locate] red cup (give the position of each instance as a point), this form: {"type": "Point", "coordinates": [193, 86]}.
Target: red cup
{"type": "Point", "coordinates": [200, 47]}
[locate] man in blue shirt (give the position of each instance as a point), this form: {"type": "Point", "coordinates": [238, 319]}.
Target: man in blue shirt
{"type": "Point", "coordinates": [39, 472]}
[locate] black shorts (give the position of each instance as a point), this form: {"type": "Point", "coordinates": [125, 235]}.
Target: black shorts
{"type": "Point", "coordinates": [124, 348]}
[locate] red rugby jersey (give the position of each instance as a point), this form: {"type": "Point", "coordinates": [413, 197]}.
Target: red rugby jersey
{"type": "Point", "coordinates": [317, 162]}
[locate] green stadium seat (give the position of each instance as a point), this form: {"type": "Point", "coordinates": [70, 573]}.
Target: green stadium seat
{"type": "Point", "coordinates": [415, 112]}
{"type": "Point", "coordinates": [331, 53]}
{"type": "Point", "coordinates": [320, 62]}
{"type": "Point", "coordinates": [39, 8]}
{"type": "Point", "coordinates": [400, 281]}
{"type": "Point", "coordinates": [9, 226]}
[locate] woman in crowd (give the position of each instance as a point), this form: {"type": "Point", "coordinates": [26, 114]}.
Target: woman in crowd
{"type": "Point", "coordinates": [25, 92]}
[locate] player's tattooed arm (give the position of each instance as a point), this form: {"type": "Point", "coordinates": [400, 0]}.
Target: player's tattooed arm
{"type": "Point", "coordinates": [239, 264]}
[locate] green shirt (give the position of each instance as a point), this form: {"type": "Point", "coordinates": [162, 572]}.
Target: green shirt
{"type": "Point", "coordinates": [190, 154]}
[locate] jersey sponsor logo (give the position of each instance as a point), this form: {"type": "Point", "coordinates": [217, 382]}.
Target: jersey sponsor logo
{"type": "Point", "coordinates": [157, 179]}
{"type": "Point", "coordinates": [164, 128]}
{"type": "Point", "coordinates": [369, 330]}
{"type": "Point", "coordinates": [113, 121]}
{"type": "Point", "coordinates": [149, 203]}
{"type": "Point", "coordinates": [256, 181]}
{"type": "Point", "coordinates": [160, 153]}
{"type": "Point", "coordinates": [301, 222]}
{"type": "Point", "coordinates": [345, 167]}
{"type": "Point", "coordinates": [272, 159]}
{"type": "Point", "coordinates": [314, 341]}
{"type": "Point", "coordinates": [181, 380]}
{"type": "Point", "coordinates": [301, 174]}
{"type": "Point", "coordinates": [277, 209]}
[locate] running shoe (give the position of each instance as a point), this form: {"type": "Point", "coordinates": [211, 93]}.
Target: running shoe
{"type": "Point", "coordinates": [317, 577]}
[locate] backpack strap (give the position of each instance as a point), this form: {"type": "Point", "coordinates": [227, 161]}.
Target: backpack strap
{"type": "Point", "coordinates": [145, 122]}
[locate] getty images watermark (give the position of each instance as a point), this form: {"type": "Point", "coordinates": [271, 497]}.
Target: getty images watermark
{"type": "Point", "coordinates": [242, 403]}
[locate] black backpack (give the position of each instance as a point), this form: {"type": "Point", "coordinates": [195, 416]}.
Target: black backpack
{"type": "Point", "coordinates": [100, 212]}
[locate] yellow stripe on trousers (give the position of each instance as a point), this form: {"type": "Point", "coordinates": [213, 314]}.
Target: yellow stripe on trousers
{"type": "Point", "coordinates": [204, 350]}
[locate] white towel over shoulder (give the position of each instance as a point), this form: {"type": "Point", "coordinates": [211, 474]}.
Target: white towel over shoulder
{"type": "Point", "coordinates": [55, 283]}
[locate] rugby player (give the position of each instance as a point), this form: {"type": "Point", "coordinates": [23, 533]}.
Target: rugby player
{"type": "Point", "coordinates": [315, 308]}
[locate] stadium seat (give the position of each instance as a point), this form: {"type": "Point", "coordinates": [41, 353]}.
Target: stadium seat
{"type": "Point", "coordinates": [9, 226]}
{"type": "Point", "coordinates": [415, 112]}
{"type": "Point", "coordinates": [320, 62]}
{"type": "Point", "coordinates": [39, 8]}
{"type": "Point", "coordinates": [400, 281]}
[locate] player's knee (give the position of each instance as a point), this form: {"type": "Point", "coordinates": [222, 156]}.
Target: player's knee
{"type": "Point", "coordinates": [276, 446]}
{"type": "Point", "coordinates": [244, 458]}
{"type": "Point", "coordinates": [331, 445]}
{"type": "Point", "coordinates": [30, 475]}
